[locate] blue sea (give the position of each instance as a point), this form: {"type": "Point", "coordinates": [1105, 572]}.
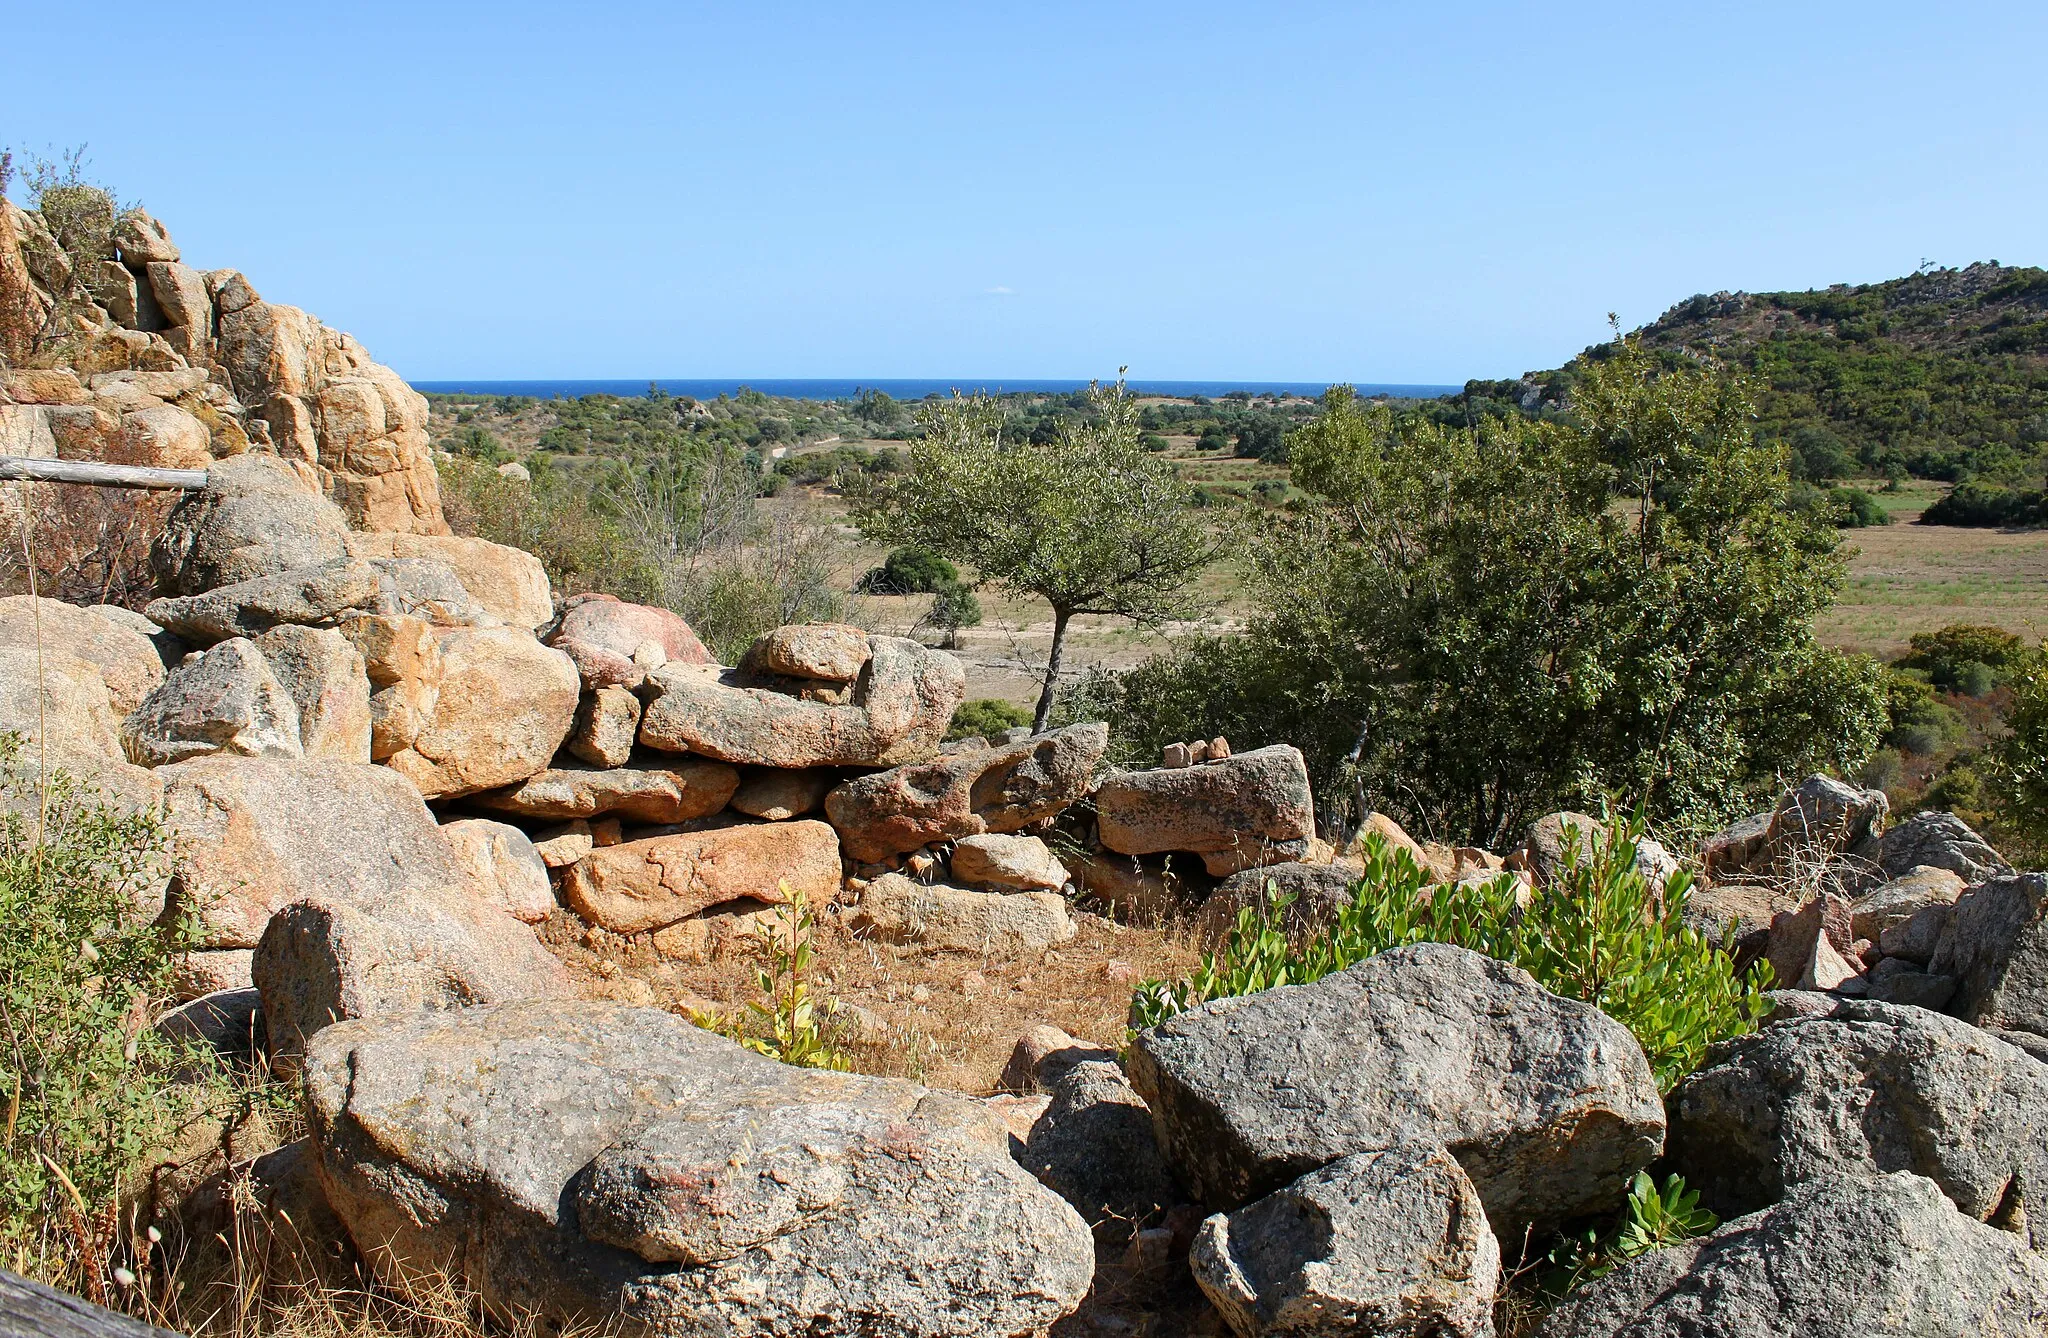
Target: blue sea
{"type": "Point", "coordinates": [826, 389]}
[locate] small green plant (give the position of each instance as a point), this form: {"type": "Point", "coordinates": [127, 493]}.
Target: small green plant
{"type": "Point", "coordinates": [1601, 934]}
{"type": "Point", "coordinates": [84, 1077]}
{"type": "Point", "coordinates": [985, 717]}
{"type": "Point", "coordinates": [1652, 1219]}
{"type": "Point", "coordinates": [786, 1009]}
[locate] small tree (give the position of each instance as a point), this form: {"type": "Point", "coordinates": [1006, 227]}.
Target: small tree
{"type": "Point", "coordinates": [1086, 520]}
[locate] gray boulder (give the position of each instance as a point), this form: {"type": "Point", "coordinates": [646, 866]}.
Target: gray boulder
{"type": "Point", "coordinates": [1094, 1147]}
{"type": "Point", "coordinates": [1548, 1103]}
{"type": "Point", "coordinates": [1941, 841]}
{"type": "Point", "coordinates": [965, 793]}
{"type": "Point", "coordinates": [224, 701]}
{"type": "Point", "coordinates": [1318, 892]}
{"type": "Point", "coordinates": [1869, 1087]}
{"type": "Point", "coordinates": [257, 516]}
{"type": "Point", "coordinates": [324, 675]}
{"type": "Point", "coordinates": [940, 917]}
{"type": "Point", "coordinates": [681, 791]}
{"type": "Point", "coordinates": [1898, 900]}
{"type": "Point", "coordinates": [1996, 948]}
{"type": "Point", "coordinates": [1390, 1242]}
{"type": "Point", "coordinates": [560, 1159]}
{"type": "Point", "coordinates": [1843, 1256]}
{"type": "Point", "coordinates": [1246, 810]}
{"type": "Point", "coordinates": [319, 596]}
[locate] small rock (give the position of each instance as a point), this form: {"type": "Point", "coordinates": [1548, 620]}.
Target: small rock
{"type": "Point", "coordinates": [607, 722]}
{"type": "Point", "coordinates": [1020, 862]}
{"type": "Point", "coordinates": [778, 796]}
{"type": "Point", "coordinates": [561, 846]}
{"type": "Point", "coordinates": [1243, 811]}
{"type": "Point", "coordinates": [505, 864]}
{"type": "Point", "coordinates": [834, 652]}
{"type": "Point", "coordinates": [223, 701]}
{"type": "Point", "coordinates": [1044, 1053]}
{"type": "Point", "coordinates": [1175, 756]}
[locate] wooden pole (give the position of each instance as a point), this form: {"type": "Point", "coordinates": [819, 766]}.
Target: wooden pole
{"type": "Point", "coordinates": [99, 475]}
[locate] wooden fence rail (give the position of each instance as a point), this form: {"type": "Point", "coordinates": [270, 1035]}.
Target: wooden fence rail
{"type": "Point", "coordinates": [99, 475]}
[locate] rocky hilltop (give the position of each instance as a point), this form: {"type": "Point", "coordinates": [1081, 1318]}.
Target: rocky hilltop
{"type": "Point", "coordinates": [143, 360]}
{"type": "Point", "coordinates": [424, 810]}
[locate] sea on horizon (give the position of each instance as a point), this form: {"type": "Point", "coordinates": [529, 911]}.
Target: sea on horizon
{"type": "Point", "coordinates": [902, 389]}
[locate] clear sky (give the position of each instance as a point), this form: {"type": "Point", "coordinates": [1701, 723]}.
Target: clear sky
{"type": "Point", "coordinates": [1424, 191]}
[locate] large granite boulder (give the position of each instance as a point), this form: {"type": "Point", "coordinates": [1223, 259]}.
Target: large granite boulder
{"type": "Point", "coordinates": [504, 865]}
{"type": "Point", "coordinates": [897, 713]}
{"type": "Point", "coordinates": [257, 516]}
{"type": "Point", "coordinates": [504, 705]}
{"type": "Point", "coordinates": [1995, 947]}
{"type": "Point", "coordinates": [611, 625]}
{"type": "Point", "coordinates": [128, 663]}
{"type": "Point", "coordinates": [316, 596]}
{"type": "Point", "coordinates": [1898, 900]}
{"type": "Point", "coordinates": [1387, 1242]}
{"type": "Point", "coordinates": [1841, 1256]}
{"type": "Point", "coordinates": [224, 701]}
{"type": "Point", "coordinates": [1249, 809]}
{"type": "Point", "coordinates": [324, 674]}
{"type": "Point", "coordinates": [324, 960]}
{"type": "Point", "coordinates": [826, 652]}
{"type": "Point", "coordinates": [963, 794]}
{"type": "Point", "coordinates": [1866, 1087]}
{"type": "Point", "coordinates": [1941, 841]}
{"type": "Point", "coordinates": [560, 1159]}
{"type": "Point", "coordinates": [640, 885]}
{"type": "Point", "coordinates": [1094, 1148]}
{"type": "Point", "coordinates": [893, 909]}
{"type": "Point", "coordinates": [681, 791]}
{"type": "Point", "coordinates": [1548, 1103]}
{"type": "Point", "coordinates": [59, 702]}
{"type": "Point", "coordinates": [257, 834]}
{"type": "Point", "coordinates": [507, 583]}
{"type": "Point", "coordinates": [1816, 824]}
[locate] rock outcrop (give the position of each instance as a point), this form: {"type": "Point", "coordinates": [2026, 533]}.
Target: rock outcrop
{"type": "Point", "coordinates": [558, 1158]}
{"type": "Point", "coordinates": [1548, 1103]}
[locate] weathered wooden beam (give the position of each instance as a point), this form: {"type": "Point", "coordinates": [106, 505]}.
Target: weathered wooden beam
{"type": "Point", "coordinates": [99, 475]}
{"type": "Point", "coordinates": [31, 1310]}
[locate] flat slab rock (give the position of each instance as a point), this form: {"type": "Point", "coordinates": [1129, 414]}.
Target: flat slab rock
{"type": "Point", "coordinates": [1845, 1256]}
{"type": "Point", "coordinates": [677, 792]}
{"type": "Point", "coordinates": [636, 886]}
{"type": "Point", "coordinates": [1249, 809]}
{"type": "Point", "coordinates": [1867, 1087]}
{"type": "Point", "coordinates": [1548, 1103]}
{"type": "Point", "coordinates": [560, 1158]}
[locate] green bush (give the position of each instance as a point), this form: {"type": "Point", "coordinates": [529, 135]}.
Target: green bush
{"type": "Point", "coordinates": [84, 1076]}
{"type": "Point", "coordinates": [1956, 657]}
{"type": "Point", "coordinates": [985, 717]}
{"type": "Point", "coordinates": [910, 571]}
{"type": "Point", "coordinates": [1603, 935]}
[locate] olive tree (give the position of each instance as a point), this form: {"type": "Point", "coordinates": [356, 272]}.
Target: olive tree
{"type": "Point", "coordinates": [1086, 520]}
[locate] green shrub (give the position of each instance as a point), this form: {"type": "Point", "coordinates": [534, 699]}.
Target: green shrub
{"type": "Point", "coordinates": [1602, 935]}
{"type": "Point", "coordinates": [1956, 657]}
{"type": "Point", "coordinates": [1652, 1219]}
{"type": "Point", "coordinates": [986, 717]}
{"type": "Point", "coordinates": [911, 571]}
{"type": "Point", "coordinates": [84, 1076]}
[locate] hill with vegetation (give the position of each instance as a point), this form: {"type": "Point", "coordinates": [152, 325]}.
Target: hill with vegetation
{"type": "Point", "coordinates": [1939, 375]}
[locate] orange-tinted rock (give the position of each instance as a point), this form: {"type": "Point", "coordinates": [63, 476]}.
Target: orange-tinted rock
{"type": "Point", "coordinates": [641, 885]}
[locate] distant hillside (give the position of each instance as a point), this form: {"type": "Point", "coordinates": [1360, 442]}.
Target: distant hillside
{"type": "Point", "coordinates": [1942, 374]}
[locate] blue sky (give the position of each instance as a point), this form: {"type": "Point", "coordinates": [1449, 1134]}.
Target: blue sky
{"type": "Point", "coordinates": [1416, 192]}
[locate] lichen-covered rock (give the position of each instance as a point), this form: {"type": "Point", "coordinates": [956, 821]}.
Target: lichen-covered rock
{"type": "Point", "coordinates": [1387, 1242]}
{"type": "Point", "coordinates": [686, 790]}
{"type": "Point", "coordinates": [1316, 893]}
{"type": "Point", "coordinates": [257, 834]}
{"type": "Point", "coordinates": [504, 706]}
{"type": "Point", "coordinates": [963, 794]}
{"type": "Point", "coordinates": [640, 885]}
{"type": "Point", "coordinates": [893, 909]}
{"type": "Point", "coordinates": [1548, 1103]}
{"type": "Point", "coordinates": [257, 516]}
{"type": "Point", "coordinates": [322, 961]}
{"type": "Point", "coordinates": [1042, 1055]}
{"type": "Point", "coordinates": [504, 864]}
{"type": "Point", "coordinates": [1995, 947]}
{"type": "Point", "coordinates": [1249, 809]}
{"type": "Point", "coordinates": [224, 701]}
{"type": "Point", "coordinates": [557, 1158]}
{"type": "Point", "coordinates": [324, 674]}
{"type": "Point", "coordinates": [127, 661]}
{"type": "Point", "coordinates": [777, 796]}
{"type": "Point", "coordinates": [1022, 863]}
{"type": "Point", "coordinates": [610, 624]}
{"type": "Point", "coordinates": [1094, 1148]}
{"type": "Point", "coordinates": [1842, 1256]}
{"type": "Point", "coordinates": [1868, 1087]}
{"type": "Point", "coordinates": [318, 596]}
{"type": "Point", "coordinates": [898, 713]}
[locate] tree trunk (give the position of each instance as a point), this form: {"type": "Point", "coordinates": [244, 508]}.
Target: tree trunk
{"type": "Point", "coordinates": [1052, 669]}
